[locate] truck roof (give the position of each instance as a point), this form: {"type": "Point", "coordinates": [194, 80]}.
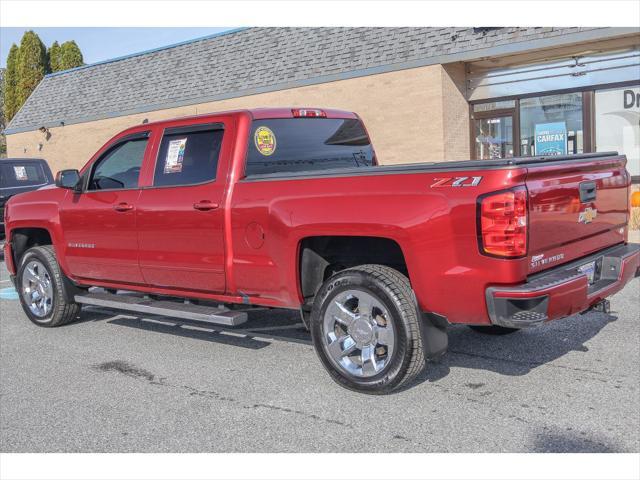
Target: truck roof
{"type": "Point", "coordinates": [259, 114]}
{"type": "Point", "coordinates": [22, 160]}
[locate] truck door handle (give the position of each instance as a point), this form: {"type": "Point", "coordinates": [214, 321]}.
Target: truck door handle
{"type": "Point", "coordinates": [123, 207]}
{"type": "Point", "coordinates": [205, 205]}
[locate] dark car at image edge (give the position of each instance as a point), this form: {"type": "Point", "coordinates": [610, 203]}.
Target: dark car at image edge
{"type": "Point", "coordinates": [20, 175]}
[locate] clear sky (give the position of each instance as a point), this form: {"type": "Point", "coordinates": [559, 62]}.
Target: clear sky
{"type": "Point", "coordinates": [102, 43]}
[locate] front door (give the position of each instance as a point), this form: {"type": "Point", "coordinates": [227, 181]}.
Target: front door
{"type": "Point", "coordinates": [180, 216]}
{"type": "Point", "coordinates": [494, 137]}
{"type": "Point", "coordinates": [99, 224]}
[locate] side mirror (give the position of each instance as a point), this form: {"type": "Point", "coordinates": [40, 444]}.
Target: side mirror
{"type": "Point", "coordinates": [68, 179]}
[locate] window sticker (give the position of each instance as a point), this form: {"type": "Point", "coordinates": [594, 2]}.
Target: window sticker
{"type": "Point", "coordinates": [21, 172]}
{"type": "Point", "coordinates": [265, 141]}
{"type": "Point", "coordinates": [175, 156]}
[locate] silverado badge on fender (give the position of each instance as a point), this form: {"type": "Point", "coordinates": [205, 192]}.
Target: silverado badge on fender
{"type": "Point", "coordinates": [588, 215]}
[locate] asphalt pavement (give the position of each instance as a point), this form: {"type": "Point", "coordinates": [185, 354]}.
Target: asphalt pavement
{"type": "Point", "coordinates": [115, 382]}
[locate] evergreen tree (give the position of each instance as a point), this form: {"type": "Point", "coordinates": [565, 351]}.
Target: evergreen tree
{"type": "Point", "coordinates": [27, 64]}
{"type": "Point", "coordinates": [10, 83]}
{"type": "Point", "coordinates": [54, 57]}
{"type": "Point", "coordinates": [70, 56]}
{"type": "Point", "coordinates": [32, 65]}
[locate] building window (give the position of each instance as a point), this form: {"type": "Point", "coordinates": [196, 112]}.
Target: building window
{"type": "Point", "coordinates": [494, 137]}
{"type": "Point", "coordinates": [617, 122]}
{"type": "Point", "coordinates": [551, 125]}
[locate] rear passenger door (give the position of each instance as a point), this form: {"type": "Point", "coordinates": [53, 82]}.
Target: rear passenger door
{"type": "Point", "coordinates": [179, 215]}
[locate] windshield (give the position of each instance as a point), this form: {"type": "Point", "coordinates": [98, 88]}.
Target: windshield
{"type": "Point", "coordinates": [307, 144]}
{"type": "Point", "coordinates": [17, 174]}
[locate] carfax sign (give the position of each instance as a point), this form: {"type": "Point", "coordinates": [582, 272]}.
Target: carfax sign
{"type": "Point", "coordinates": [551, 138]}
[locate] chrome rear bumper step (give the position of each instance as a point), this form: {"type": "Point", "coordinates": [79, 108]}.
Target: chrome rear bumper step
{"type": "Point", "coordinates": [186, 311]}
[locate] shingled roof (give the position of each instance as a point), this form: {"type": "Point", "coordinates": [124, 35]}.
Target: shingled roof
{"type": "Point", "coordinates": [254, 60]}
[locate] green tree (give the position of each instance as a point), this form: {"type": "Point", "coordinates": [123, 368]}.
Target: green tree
{"type": "Point", "coordinates": [32, 66]}
{"type": "Point", "coordinates": [70, 56]}
{"type": "Point", "coordinates": [54, 57]}
{"type": "Point", "coordinates": [10, 83]}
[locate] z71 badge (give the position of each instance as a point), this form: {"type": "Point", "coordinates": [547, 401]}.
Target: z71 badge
{"type": "Point", "coordinates": [457, 182]}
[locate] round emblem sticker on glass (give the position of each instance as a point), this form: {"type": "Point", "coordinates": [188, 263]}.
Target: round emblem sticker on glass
{"type": "Point", "coordinates": [265, 141]}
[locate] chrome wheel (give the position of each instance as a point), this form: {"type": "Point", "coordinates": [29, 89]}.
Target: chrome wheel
{"type": "Point", "coordinates": [358, 333]}
{"type": "Point", "coordinates": [37, 290]}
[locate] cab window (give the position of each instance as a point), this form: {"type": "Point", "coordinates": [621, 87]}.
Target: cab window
{"type": "Point", "coordinates": [288, 145]}
{"type": "Point", "coordinates": [119, 167]}
{"type": "Point", "coordinates": [188, 155]}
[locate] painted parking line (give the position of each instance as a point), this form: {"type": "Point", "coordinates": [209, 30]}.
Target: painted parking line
{"type": "Point", "coordinates": [8, 293]}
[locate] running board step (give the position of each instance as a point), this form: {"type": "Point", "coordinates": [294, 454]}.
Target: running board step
{"type": "Point", "coordinates": [187, 311]}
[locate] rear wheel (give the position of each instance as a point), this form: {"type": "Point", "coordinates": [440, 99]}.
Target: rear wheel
{"type": "Point", "coordinates": [493, 329]}
{"type": "Point", "coordinates": [42, 290]}
{"type": "Point", "coordinates": [364, 325]}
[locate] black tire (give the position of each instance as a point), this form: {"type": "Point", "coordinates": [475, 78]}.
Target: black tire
{"type": "Point", "coordinates": [493, 329]}
{"type": "Point", "coordinates": [62, 311]}
{"type": "Point", "coordinates": [393, 290]}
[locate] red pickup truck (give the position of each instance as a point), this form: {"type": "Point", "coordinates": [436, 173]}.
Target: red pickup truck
{"type": "Point", "coordinates": [208, 216]}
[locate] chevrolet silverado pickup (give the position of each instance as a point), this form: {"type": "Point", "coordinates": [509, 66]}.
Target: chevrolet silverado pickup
{"type": "Point", "coordinates": [204, 218]}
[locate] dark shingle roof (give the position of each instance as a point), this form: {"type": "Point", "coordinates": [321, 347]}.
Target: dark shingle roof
{"type": "Point", "coordinates": [250, 61]}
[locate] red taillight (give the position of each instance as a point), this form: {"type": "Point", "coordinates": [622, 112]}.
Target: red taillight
{"type": "Point", "coordinates": [308, 112]}
{"type": "Point", "coordinates": [503, 223]}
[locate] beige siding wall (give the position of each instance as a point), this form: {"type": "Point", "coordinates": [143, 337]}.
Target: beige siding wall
{"type": "Point", "coordinates": [455, 113]}
{"type": "Point", "coordinates": [412, 115]}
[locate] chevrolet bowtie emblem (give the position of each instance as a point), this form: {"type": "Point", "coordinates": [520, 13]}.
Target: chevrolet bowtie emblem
{"type": "Point", "coordinates": [588, 215]}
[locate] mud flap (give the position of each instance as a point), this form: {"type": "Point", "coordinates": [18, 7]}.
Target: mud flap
{"type": "Point", "coordinates": [70, 288]}
{"type": "Point", "coordinates": [435, 338]}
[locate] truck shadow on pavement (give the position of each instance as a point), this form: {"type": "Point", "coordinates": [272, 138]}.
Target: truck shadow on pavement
{"type": "Point", "coordinates": [520, 352]}
{"type": "Point", "coordinates": [263, 327]}
{"type": "Point", "coordinates": [515, 354]}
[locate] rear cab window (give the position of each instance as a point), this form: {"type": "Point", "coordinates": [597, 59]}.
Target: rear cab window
{"type": "Point", "coordinates": [21, 174]}
{"type": "Point", "coordinates": [188, 155]}
{"type": "Point", "coordinates": [288, 145]}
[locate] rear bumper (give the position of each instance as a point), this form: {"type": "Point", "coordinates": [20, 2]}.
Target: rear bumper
{"type": "Point", "coordinates": [562, 291]}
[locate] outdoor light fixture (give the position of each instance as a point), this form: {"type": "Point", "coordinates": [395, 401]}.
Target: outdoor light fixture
{"type": "Point", "coordinates": [45, 131]}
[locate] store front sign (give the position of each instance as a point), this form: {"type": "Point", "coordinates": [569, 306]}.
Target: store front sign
{"type": "Point", "coordinates": [618, 124]}
{"type": "Point", "coordinates": [551, 138]}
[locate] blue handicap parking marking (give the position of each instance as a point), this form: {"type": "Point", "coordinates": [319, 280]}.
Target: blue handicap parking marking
{"type": "Point", "coordinates": [8, 293]}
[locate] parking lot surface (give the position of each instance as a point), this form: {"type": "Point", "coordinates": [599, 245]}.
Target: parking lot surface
{"type": "Point", "coordinates": [119, 383]}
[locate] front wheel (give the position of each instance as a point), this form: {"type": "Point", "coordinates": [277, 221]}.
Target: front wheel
{"type": "Point", "coordinates": [364, 325]}
{"type": "Point", "coordinates": [41, 289]}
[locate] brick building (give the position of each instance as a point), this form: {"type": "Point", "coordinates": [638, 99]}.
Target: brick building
{"type": "Point", "coordinates": [425, 94]}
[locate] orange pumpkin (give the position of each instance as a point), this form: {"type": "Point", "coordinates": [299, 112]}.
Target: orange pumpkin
{"type": "Point", "coordinates": [635, 199]}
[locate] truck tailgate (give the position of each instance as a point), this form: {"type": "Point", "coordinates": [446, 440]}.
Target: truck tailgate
{"type": "Point", "coordinates": [575, 208]}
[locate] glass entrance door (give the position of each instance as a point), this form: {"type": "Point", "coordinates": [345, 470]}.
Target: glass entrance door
{"type": "Point", "coordinates": [494, 137]}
